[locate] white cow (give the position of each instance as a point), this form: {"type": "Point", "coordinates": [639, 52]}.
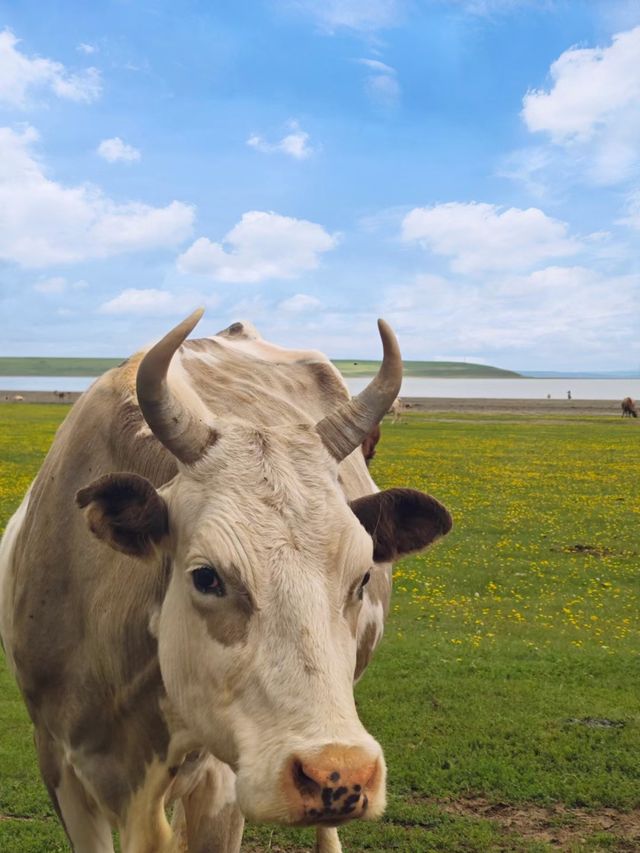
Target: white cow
{"type": "Point", "coordinates": [194, 633]}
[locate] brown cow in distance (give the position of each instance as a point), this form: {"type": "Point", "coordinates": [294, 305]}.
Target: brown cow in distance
{"type": "Point", "coordinates": [369, 444]}
{"type": "Point", "coordinates": [629, 409]}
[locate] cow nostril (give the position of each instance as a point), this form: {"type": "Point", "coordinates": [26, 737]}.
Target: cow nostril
{"type": "Point", "coordinates": [305, 784]}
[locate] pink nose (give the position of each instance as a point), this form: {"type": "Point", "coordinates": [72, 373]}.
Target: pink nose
{"type": "Point", "coordinates": [332, 785]}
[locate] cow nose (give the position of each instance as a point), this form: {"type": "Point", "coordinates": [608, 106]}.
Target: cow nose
{"type": "Point", "coordinates": [334, 784]}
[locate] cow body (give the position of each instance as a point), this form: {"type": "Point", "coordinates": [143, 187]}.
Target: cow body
{"type": "Point", "coordinates": [204, 657]}
{"type": "Point", "coordinates": [629, 409]}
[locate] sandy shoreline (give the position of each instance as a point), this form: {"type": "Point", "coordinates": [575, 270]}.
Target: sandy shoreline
{"type": "Point", "coordinates": [418, 404]}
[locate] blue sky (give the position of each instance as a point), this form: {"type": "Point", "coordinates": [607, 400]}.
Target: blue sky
{"type": "Point", "coordinates": [467, 169]}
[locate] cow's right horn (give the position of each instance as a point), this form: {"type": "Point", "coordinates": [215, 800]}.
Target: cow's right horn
{"type": "Point", "coordinates": [179, 429]}
{"type": "Point", "coordinates": [346, 428]}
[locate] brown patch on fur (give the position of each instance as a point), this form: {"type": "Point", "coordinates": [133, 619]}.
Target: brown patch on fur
{"type": "Point", "coordinates": [126, 512]}
{"type": "Point", "coordinates": [401, 521]}
{"type": "Point", "coordinates": [235, 330]}
{"type": "Point", "coordinates": [227, 619]}
{"type": "Point", "coordinates": [328, 383]}
{"type": "Point", "coordinates": [365, 649]}
{"type": "Point", "coordinates": [370, 443]}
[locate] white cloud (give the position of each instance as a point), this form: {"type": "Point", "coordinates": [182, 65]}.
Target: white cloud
{"type": "Point", "coordinates": [486, 8]}
{"type": "Point", "coordinates": [86, 48]}
{"type": "Point", "coordinates": [299, 304]}
{"type": "Point", "coordinates": [20, 75]}
{"type": "Point", "coordinates": [261, 246]}
{"type": "Point", "coordinates": [43, 222]}
{"type": "Point", "coordinates": [479, 237]}
{"type": "Point", "coordinates": [52, 285]}
{"type": "Point", "coordinates": [57, 284]}
{"type": "Point", "coordinates": [151, 302]}
{"type": "Point", "coordinates": [633, 212]}
{"type": "Point", "coordinates": [295, 143]}
{"type": "Point", "coordinates": [554, 311]}
{"type": "Point", "coordinates": [364, 16]}
{"type": "Point", "coordinates": [381, 83]}
{"type": "Point", "coordinates": [115, 150]}
{"type": "Point", "coordinates": [592, 109]}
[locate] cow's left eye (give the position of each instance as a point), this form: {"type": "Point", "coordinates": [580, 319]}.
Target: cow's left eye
{"type": "Point", "coordinates": [207, 581]}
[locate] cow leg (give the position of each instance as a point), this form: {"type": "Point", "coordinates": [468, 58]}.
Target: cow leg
{"type": "Point", "coordinates": [86, 827]}
{"type": "Point", "coordinates": [214, 823]}
{"type": "Point", "coordinates": [88, 830]}
{"type": "Point", "coordinates": [145, 828]}
{"type": "Point", "coordinates": [327, 840]}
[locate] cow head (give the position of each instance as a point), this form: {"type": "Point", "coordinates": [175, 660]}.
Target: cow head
{"type": "Point", "coordinates": [257, 629]}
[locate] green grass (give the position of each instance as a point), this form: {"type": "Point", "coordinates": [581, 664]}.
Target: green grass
{"type": "Point", "coordinates": [34, 366]}
{"type": "Point", "coordinates": [510, 667]}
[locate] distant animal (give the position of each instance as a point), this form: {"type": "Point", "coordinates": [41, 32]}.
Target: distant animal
{"type": "Point", "coordinates": [18, 398]}
{"type": "Point", "coordinates": [193, 634]}
{"type": "Point", "coordinates": [370, 443]}
{"type": "Point", "coordinates": [629, 409]}
{"type": "Point", "coordinates": [395, 410]}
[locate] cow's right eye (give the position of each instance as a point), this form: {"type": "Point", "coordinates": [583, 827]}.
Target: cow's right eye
{"type": "Point", "coordinates": [207, 581]}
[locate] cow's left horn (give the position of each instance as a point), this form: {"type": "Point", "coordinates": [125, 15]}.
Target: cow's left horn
{"type": "Point", "coordinates": [346, 428]}
{"type": "Point", "coordinates": [180, 430]}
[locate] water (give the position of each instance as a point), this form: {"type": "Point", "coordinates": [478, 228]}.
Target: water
{"type": "Point", "coordinates": [515, 389]}
{"type": "Point", "coordinates": [501, 389]}
{"type": "Point", "coordinates": [45, 383]}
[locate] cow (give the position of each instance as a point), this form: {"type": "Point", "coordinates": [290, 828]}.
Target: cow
{"type": "Point", "coordinates": [370, 444]}
{"type": "Point", "coordinates": [395, 410]}
{"type": "Point", "coordinates": [629, 409]}
{"type": "Point", "coordinates": [194, 581]}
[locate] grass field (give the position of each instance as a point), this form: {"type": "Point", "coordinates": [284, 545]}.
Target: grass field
{"type": "Point", "coordinates": [34, 366]}
{"type": "Point", "coordinates": [506, 691]}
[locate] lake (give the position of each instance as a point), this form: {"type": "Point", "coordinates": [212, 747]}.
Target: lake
{"type": "Point", "coordinates": [501, 389]}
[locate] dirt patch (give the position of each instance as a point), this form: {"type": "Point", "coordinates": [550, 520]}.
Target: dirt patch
{"type": "Point", "coordinates": [483, 406]}
{"type": "Point", "coordinates": [556, 825]}
{"type": "Point", "coordinates": [597, 722]}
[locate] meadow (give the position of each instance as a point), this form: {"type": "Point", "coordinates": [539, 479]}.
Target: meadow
{"type": "Point", "coordinates": [505, 692]}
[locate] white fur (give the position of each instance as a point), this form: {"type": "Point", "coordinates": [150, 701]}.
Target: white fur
{"type": "Point", "coordinates": [88, 829]}
{"type": "Point", "coordinates": [7, 545]}
{"type": "Point", "coordinates": [287, 689]}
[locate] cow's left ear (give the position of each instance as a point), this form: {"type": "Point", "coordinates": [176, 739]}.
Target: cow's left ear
{"type": "Point", "coordinates": [126, 512]}
{"type": "Point", "coordinates": [401, 521]}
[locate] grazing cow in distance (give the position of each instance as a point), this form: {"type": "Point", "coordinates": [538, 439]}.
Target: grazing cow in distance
{"type": "Point", "coordinates": [395, 410]}
{"type": "Point", "coordinates": [370, 443]}
{"type": "Point", "coordinates": [629, 409]}
{"type": "Point", "coordinates": [195, 579]}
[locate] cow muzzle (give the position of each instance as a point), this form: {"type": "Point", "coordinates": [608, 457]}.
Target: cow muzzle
{"type": "Point", "coordinates": [334, 784]}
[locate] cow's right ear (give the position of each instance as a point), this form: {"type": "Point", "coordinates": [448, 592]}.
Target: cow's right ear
{"type": "Point", "coordinates": [126, 512]}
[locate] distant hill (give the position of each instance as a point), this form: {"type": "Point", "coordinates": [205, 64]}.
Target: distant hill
{"type": "Point", "coordinates": [429, 369]}
{"type": "Point", "coordinates": [36, 366]}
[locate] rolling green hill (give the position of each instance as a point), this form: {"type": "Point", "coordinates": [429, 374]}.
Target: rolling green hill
{"type": "Point", "coordinates": [432, 369]}
{"type": "Point", "coordinates": [45, 366]}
